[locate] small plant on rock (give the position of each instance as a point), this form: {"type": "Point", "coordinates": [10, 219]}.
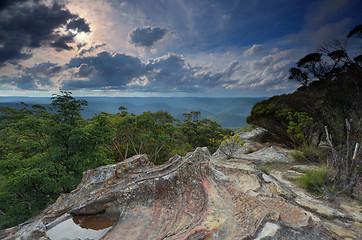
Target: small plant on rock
{"type": "Point", "coordinates": [230, 144]}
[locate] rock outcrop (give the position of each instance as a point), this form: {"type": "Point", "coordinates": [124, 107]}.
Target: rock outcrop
{"type": "Point", "coordinates": [197, 196]}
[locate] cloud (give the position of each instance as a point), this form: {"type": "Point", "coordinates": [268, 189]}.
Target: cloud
{"type": "Point", "coordinates": [147, 36]}
{"type": "Point", "coordinates": [78, 24]}
{"type": "Point", "coordinates": [169, 73]}
{"type": "Point", "coordinates": [321, 12]}
{"type": "Point", "coordinates": [81, 45]}
{"type": "Point", "coordinates": [6, 3]}
{"type": "Point", "coordinates": [61, 42]}
{"type": "Point", "coordinates": [85, 70]}
{"type": "Point", "coordinates": [323, 33]}
{"type": "Point", "coordinates": [324, 22]}
{"type": "Point", "coordinates": [111, 71]}
{"type": "Point", "coordinates": [26, 82]}
{"type": "Point", "coordinates": [25, 25]}
{"type": "Point", "coordinates": [254, 50]}
{"type": "Point", "coordinates": [268, 73]}
{"type": "Point", "coordinates": [45, 69]}
{"type": "Point", "coordinates": [91, 49]}
{"type": "Point", "coordinates": [37, 77]}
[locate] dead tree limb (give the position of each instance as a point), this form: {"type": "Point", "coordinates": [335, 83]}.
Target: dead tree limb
{"type": "Point", "coordinates": [353, 174]}
{"type": "Point", "coordinates": [336, 162]}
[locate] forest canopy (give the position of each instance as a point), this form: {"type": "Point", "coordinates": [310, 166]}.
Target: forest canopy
{"type": "Point", "coordinates": [44, 151]}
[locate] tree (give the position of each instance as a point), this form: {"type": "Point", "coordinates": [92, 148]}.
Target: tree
{"type": "Point", "coordinates": [299, 75]}
{"type": "Point", "coordinates": [355, 32]}
{"type": "Point", "coordinates": [199, 132]}
{"type": "Point", "coordinates": [328, 103]}
{"type": "Point", "coordinates": [43, 154]}
{"type": "Point", "coordinates": [67, 107]}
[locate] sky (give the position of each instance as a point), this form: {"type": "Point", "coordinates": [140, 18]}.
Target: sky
{"type": "Point", "coordinates": [145, 48]}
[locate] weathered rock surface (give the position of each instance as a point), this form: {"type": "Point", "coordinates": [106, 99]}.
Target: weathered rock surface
{"type": "Point", "coordinates": [302, 168]}
{"type": "Point", "coordinates": [197, 196]}
{"type": "Point", "coordinates": [191, 197]}
{"type": "Point", "coordinates": [319, 208]}
{"type": "Point", "coordinates": [292, 175]}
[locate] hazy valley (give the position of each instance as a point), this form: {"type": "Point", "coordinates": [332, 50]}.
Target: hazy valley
{"type": "Point", "coordinates": [229, 112]}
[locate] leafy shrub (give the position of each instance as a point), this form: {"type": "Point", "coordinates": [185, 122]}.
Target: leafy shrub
{"type": "Point", "coordinates": [230, 145]}
{"type": "Point", "coordinates": [299, 127]}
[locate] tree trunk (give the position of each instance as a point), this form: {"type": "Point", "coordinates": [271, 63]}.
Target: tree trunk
{"type": "Point", "coordinates": [353, 174]}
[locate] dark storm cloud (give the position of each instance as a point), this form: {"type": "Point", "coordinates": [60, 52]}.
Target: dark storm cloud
{"type": "Point", "coordinates": [33, 78]}
{"type": "Point", "coordinates": [26, 81]}
{"type": "Point", "coordinates": [7, 3]}
{"type": "Point", "coordinates": [169, 73]}
{"type": "Point", "coordinates": [44, 69]}
{"type": "Point", "coordinates": [147, 36]}
{"type": "Point", "coordinates": [37, 77]}
{"type": "Point", "coordinates": [108, 71]}
{"type": "Point", "coordinates": [27, 26]}
{"type": "Point", "coordinates": [61, 42]}
{"type": "Point", "coordinates": [78, 25]}
{"type": "Point", "coordinates": [91, 49]}
{"type": "Point", "coordinates": [85, 70]}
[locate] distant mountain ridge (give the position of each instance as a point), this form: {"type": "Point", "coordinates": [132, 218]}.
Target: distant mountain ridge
{"type": "Point", "coordinates": [229, 112]}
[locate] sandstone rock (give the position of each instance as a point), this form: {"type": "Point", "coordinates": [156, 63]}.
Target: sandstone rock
{"type": "Point", "coordinates": [250, 147]}
{"type": "Point", "coordinates": [254, 135]}
{"type": "Point", "coordinates": [278, 188]}
{"type": "Point", "coordinates": [269, 230]}
{"type": "Point", "coordinates": [357, 224]}
{"type": "Point", "coordinates": [268, 154]}
{"type": "Point", "coordinates": [33, 230]}
{"type": "Point", "coordinates": [191, 197]}
{"type": "Point", "coordinates": [292, 175]}
{"type": "Point", "coordinates": [302, 168]}
{"type": "Point", "coordinates": [319, 208]}
{"type": "Point", "coordinates": [340, 231]}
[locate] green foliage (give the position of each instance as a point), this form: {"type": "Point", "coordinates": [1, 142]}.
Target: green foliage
{"type": "Point", "coordinates": [67, 107]}
{"type": "Point", "coordinates": [314, 179]}
{"type": "Point", "coordinates": [299, 128]}
{"type": "Point", "coordinates": [43, 152]}
{"type": "Point", "coordinates": [199, 132]}
{"type": "Point", "coordinates": [324, 102]}
{"type": "Point", "coordinates": [42, 155]}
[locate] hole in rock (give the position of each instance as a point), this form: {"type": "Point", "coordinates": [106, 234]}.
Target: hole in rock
{"type": "Point", "coordinates": [83, 227]}
{"type": "Point", "coordinates": [96, 222]}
